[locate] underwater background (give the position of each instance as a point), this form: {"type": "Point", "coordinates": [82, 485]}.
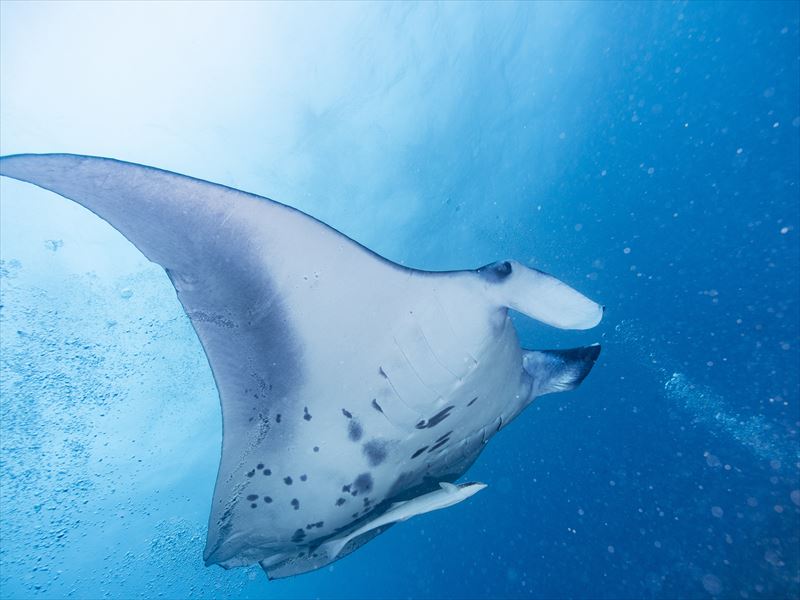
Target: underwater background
{"type": "Point", "coordinates": [645, 153]}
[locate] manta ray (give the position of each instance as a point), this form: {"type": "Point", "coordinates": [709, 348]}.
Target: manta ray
{"type": "Point", "coordinates": [354, 391]}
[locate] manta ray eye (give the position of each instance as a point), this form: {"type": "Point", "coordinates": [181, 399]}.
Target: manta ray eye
{"type": "Point", "coordinates": [497, 271]}
{"type": "Point", "coordinates": [503, 269]}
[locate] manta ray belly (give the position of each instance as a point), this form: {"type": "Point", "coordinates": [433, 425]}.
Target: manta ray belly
{"type": "Point", "coordinates": [341, 454]}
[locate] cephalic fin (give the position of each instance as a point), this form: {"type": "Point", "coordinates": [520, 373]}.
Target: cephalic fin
{"type": "Point", "coordinates": [539, 295]}
{"type": "Point", "coordinates": [559, 370]}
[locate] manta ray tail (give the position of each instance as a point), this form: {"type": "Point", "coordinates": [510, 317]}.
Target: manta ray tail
{"type": "Point", "coordinates": [559, 370]}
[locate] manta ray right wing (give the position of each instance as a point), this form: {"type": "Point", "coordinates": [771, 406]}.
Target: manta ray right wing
{"type": "Point", "coordinates": [298, 320]}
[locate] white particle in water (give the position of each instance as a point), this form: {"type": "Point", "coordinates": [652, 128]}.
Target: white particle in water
{"type": "Point", "coordinates": [712, 584]}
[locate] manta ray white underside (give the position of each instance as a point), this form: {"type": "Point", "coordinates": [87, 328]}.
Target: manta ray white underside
{"type": "Point", "coordinates": [351, 387]}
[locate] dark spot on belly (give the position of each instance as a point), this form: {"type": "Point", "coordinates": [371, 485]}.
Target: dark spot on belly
{"type": "Point", "coordinates": [439, 417]}
{"type": "Point", "coordinates": [375, 451]}
{"type": "Point", "coordinates": [299, 536]}
{"type": "Point", "coordinates": [354, 430]}
{"type": "Point", "coordinates": [438, 445]}
{"type": "Point", "coordinates": [316, 448]}
{"type": "Point", "coordinates": [306, 414]}
{"type": "Point", "coordinates": [471, 402]}
{"type": "Point", "coordinates": [340, 501]}
{"type": "Point", "coordinates": [418, 452]}
{"type": "Point", "coordinates": [267, 472]}
{"type": "Point", "coordinates": [253, 505]}
{"type": "Point", "coordinates": [303, 477]}
{"type": "Point", "coordinates": [376, 406]}
{"type": "Point", "coordinates": [444, 436]}
{"type": "Point", "coordinates": [363, 483]}
{"type": "Point", "coordinates": [347, 413]}
{"type": "Point", "coordinates": [295, 503]}
{"type": "Point", "coordinates": [278, 418]}
{"type": "Point", "coordinates": [252, 497]}
{"type": "Point", "coordinates": [267, 499]}
{"type": "Point", "coordinates": [259, 466]}
{"type": "Point", "coordinates": [287, 480]}
{"type": "Point", "coordinates": [251, 473]}
{"type": "Point", "coordinates": [346, 488]}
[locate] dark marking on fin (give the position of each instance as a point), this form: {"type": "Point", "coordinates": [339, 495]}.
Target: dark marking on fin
{"type": "Point", "coordinates": [438, 445]}
{"type": "Point", "coordinates": [418, 452]}
{"type": "Point", "coordinates": [299, 536]}
{"type": "Point", "coordinates": [363, 483]}
{"type": "Point", "coordinates": [376, 406]}
{"type": "Point", "coordinates": [375, 451]}
{"type": "Point", "coordinates": [439, 417]}
{"type": "Point", "coordinates": [444, 436]}
{"type": "Point", "coordinates": [354, 430]}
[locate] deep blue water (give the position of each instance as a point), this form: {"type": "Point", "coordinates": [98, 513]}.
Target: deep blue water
{"type": "Point", "coordinates": [646, 153]}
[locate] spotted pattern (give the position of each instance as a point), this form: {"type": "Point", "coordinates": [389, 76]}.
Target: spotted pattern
{"type": "Point", "coordinates": [375, 451]}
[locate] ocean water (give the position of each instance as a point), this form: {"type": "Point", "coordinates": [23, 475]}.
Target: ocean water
{"type": "Point", "coordinates": [645, 153]}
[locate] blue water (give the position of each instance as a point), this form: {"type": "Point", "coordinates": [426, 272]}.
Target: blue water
{"type": "Point", "coordinates": [645, 153]}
